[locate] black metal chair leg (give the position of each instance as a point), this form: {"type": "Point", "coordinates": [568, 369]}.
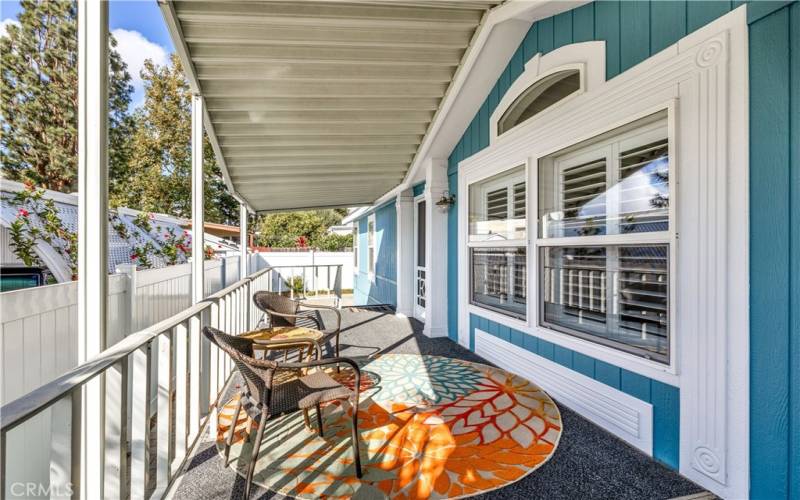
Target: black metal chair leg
{"type": "Point", "coordinates": [355, 441]}
{"type": "Point", "coordinates": [232, 430]}
{"type": "Point", "coordinates": [254, 455]}
{"type": "Point", "coordinates": [319, 420]}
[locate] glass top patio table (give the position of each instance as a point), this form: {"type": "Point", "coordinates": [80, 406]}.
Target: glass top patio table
{"type": "Point", "coordinates": [287, 333]}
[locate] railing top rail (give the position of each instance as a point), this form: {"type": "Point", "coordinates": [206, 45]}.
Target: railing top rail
{"type": "Point", "coordinates": [23, 408]}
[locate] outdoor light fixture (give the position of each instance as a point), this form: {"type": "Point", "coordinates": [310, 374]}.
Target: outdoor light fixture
{"type": "Point", "coordinates": [446, 201]}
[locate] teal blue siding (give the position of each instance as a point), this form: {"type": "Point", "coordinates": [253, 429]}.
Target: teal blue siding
{"type": "Point", "coordinates": [700, 13]}
{"type": "Point", "coordinates": [606, 27]}
{"type": "Point", "coordinates": [383, 290]}
{"type": "Point", "coordinates": [418, 188]}
{"type": "Point", "coordinates": [663, 397]}
{"type": "Point", "coordinates": [582, 23]}
{"type": "Point", "coordinates": [775, 250]}
{"type": "Point", "coordinates": [774, 211]}
{"type": "Point", "coordinates": [667, 24]}
{"type": "Point", "coordinates": [635, 38]}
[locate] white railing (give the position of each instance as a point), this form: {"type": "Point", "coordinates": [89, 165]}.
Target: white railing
{"type": "Point", "coordinates": [170, 358]}
{"type": "Point", "coordinates": [309, 281]}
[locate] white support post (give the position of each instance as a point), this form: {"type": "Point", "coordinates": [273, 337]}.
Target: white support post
{"type": "Point", "coordinates": [435, 249]}
{"type": "Point", "coordinates": [406, 268]}
{"type": "Point", "coordinates": [243, 271]}
{"type": "Point", "coordinates": [92, 229]}
{"type": "Point", "coordinates": [198, 219]}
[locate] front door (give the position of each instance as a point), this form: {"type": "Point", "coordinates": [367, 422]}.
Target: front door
{"type": "Point", "coordinates": [419, 258]}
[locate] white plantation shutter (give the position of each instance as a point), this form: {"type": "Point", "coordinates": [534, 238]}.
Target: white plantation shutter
{"type": "Point", "coordinates": [582, 193]}
{"type": "Point", "coordinates": [497, 204]}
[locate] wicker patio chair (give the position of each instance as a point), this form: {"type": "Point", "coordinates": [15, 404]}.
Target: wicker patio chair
{"type": "Point", "coordinates": [266, 399]}
{"type": "Point", "coordinates": [283, 311]}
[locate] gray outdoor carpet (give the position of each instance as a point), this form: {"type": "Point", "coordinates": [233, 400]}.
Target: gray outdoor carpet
{"type": "Point", "coordinates": [589, 463]}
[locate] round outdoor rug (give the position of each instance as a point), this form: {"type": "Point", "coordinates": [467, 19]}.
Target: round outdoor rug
{"type": "Point", "coordinates": [430, 427]}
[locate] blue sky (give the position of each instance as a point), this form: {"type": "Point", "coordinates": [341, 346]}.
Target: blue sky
{"type": "Point", "coordinates": [138, 27]}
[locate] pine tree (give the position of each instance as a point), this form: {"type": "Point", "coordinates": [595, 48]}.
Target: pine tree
{"type": "Point", "coordinates": [39, 98]}
{"type": "Point", "coordinates": [159, 174]}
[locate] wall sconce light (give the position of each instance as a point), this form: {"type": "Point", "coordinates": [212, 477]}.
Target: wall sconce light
{"type": "Point", "coordinates": [446, 201]}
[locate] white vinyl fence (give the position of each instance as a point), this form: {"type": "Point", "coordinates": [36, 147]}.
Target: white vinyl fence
{"type": "Point", "coordinates": [38, 326]}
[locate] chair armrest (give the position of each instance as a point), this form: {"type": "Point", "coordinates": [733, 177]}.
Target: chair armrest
{"type": "Point", "coordinates": [318, 306]}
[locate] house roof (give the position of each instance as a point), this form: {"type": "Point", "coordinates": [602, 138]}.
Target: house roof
{"type": "Point", "coordinates": [321, 103]}
{"type": "Point", "coordinates": [120, 248]}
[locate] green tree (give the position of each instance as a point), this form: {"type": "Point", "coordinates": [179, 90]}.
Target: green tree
{"type": "Point", "coordinates": [283, 230]}
{"type": "Point", "coordinates": [39, 98]}
{"type": "Point", "coordinates": [158, 174]}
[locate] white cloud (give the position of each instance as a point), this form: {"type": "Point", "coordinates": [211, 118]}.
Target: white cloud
{"type": "Point", "coordinates": [5, 23]}
{"type": "Point", "coordinates": [134, 49]}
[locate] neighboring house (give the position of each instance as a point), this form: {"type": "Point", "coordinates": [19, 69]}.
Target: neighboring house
{"type": "Point", "coordinates": [341, 230]}
{"type": "Point", "coordinates": [618, 221]}
{"type": "Point", "coordinates": [126, 238]}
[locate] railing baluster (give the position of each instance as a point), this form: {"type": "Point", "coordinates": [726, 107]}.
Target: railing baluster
{"type": "Point", "coordinates": [213, 372]}
{"type": "Point", "coordinates": [61, 464]}
{"type": "Point", "coordinates": [140, 423]}
{"type": "Point", "coordinates": [181, 395]}
{"type": "Point", "coordinates": [194, 377]}
{"type": "Point", "coordinates": [164, 401]}
{"type": "Point", "coordinates": [116, 433]}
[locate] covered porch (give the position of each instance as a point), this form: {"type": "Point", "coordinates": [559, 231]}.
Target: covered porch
{"type": "Point", "coordinates": [395, 108]}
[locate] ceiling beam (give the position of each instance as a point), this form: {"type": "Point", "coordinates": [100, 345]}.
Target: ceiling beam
{"type": "Point", "coordinates": [321, 103]}
{"type": "Point", "coordinates": [213, 33]}
{"type": "Point", "coordinates": [267, 176]}
{"type": "Point", "coordinates": [322, 116]}
{"type": "Point", "coordinates": [325, 14]}
{"type": "Point", "coordinates": [328, 89]}
{"type": "Point", "coordinates": [318, 160]}
{"type": "Point", "coordinates": [321, 129]}
{"type": "Point", "coordinates": [316, 71]}
{"type": "Point", "coordinates": [251, 53]}
{"type": "Point", "coordinates": [255, 153]}
{"type": "Point", "coordinates": [322, 140]}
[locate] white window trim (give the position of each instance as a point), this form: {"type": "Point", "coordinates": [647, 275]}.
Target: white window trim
{"type": "Point", "coordinates": [356, 247]}
{"type": "Point", "coordinates": [372, 256]}
{"type": "Point", "coordinates": [419, 311]}
{"type": "Point", "coordinates": [703, 77]}
{"type": "Point", "coordinates": [515, 243]}
{"type": "Point", "coordinates": [586, 57]}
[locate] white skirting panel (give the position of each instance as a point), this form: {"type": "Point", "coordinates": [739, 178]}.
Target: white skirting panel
{"type": "Point", "coordinates": [628, 418]}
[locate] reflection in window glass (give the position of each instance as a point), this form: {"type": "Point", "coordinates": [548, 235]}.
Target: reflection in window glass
{"type": "Point", "coordinates": [616, 295]}
{"type": "Point", "coordinates": [618, 186]}
{"type": "Point", "coordinates": [497, 207]}
{"type": "Point", "coordinates": [499, 279]}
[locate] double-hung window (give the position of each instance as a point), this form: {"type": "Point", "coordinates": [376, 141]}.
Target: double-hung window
{"type": "Point", "coordinates": [604, 239]}
{"type": "Point", "coordinates": [497, 243]}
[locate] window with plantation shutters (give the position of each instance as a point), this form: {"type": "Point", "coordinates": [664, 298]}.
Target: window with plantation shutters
{"type": "Point", "coordinates": [604, 239]}
{"type": "Point", "coordinates": [497, 241]}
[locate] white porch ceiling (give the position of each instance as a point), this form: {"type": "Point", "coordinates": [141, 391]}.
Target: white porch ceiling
{"type": "Point", "coordinates": [320, 103]}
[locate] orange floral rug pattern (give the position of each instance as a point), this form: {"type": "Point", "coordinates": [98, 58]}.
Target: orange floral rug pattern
{"type": "Point", "coordinates": [430, 427]}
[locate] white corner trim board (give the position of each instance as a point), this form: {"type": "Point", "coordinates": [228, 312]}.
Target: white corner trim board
{"type": "Point", "coordinates": [626, 417]}
{"type": "Point", "coordinates": [701, 83]}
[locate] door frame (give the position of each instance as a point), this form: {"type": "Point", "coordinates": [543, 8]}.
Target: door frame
{"type": "Point", "coordinates": [418, 310]}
